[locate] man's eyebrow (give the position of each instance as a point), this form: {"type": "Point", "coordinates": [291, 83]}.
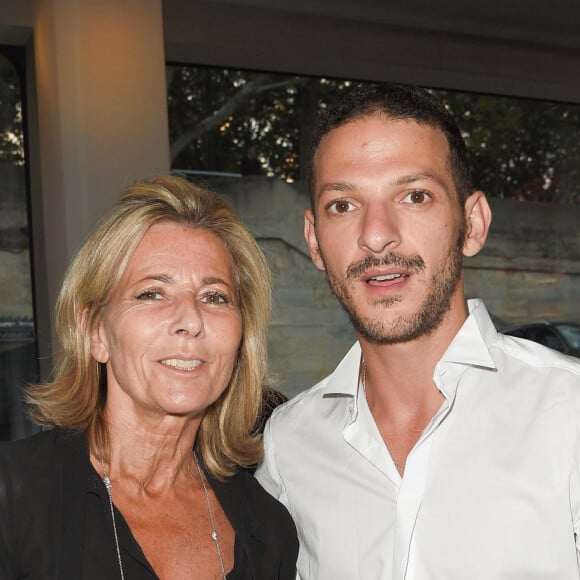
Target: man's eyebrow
{"type": "Point", "coordinates": [414, 177]}
{"type": "Point", "coordinates": [402, 180]}
{"type": "Point", "coordinates": [336, 186]}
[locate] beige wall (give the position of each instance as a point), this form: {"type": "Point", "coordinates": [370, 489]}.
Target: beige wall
{"type": "Point", "coordinates": [529, 270]}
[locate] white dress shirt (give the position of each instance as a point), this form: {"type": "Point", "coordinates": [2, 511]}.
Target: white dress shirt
{"type": "Point", "coordinates": [491, 491]}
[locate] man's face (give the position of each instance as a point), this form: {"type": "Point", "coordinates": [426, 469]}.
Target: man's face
{"type": "Point", "coordinates": [389, 230]}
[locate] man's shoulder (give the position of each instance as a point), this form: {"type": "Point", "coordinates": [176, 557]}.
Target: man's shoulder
{"type": "Point", "coordinates": [537, 356]}
{"type": "Point", "coordinates": [305, 402]}
{"type": "Point", "coordinates": [324, 400]}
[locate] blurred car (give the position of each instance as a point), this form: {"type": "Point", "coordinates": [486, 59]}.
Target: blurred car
{"type": "Point", "coordinates": [562, 336]}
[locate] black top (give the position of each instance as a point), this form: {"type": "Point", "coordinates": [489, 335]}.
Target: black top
{"type": "Point", "coordinates": [99, 541]}
{"type": "Point", "coordinates": [55, 519]}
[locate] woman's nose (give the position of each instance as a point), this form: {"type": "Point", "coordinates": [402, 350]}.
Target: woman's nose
{"type": "Point", "coordinates": [187, 316]}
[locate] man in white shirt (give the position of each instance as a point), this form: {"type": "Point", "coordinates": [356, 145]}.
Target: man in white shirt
{"type": "Point", "coordinates": [438, 449]}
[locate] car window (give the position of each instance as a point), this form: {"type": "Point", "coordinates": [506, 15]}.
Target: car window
{"type": "Point", "coordinates": [548, 337]}
{"type": "Point", "coordinates": [571, 333]}
{"type": "Point", "coordinates": [519, 332]}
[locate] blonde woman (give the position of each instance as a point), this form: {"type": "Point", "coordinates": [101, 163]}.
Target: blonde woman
{"type": "Point", "coordinates": [162, 319]}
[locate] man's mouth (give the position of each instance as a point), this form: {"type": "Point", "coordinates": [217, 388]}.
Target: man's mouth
{"type": "Point", "coordinates": [385, 277]}
{"type": "Point", "coordinates": [182, 365]}
{"type": "Point", "coordinates": [406, 265]}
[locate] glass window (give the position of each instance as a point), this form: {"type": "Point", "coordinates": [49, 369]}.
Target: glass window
{"type": "Point", "coordinates": [247, 133]}
{"type": "Point", "coordinates": [548, 337]}
{"type": "Point", "coordinates": [18, 353]}
{"type": "Point", "coordinates": [521, 149]}
{"type": "Point", "coordinates": [571, 333]}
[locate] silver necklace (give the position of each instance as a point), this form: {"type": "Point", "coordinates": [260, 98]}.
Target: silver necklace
{"type": "Point", "coordinates": [109, 485]}
{"type": "Point", "coordinates": [214, 534]}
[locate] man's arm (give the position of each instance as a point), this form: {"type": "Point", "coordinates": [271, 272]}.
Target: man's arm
{"type": "Point", "coordinates": [267, 471]}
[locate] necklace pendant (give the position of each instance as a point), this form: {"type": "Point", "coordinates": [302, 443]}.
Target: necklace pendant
{"type": "Point", "coordinates": [214, 536]}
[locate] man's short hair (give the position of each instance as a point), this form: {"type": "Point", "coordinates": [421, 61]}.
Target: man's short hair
{"type": "Point", "coordinates": [397, 102]}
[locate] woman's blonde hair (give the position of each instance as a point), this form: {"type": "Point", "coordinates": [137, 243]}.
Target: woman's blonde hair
{"type": "Point", "coordinates": [75, 398]}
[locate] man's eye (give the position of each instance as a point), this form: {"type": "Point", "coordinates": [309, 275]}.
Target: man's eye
{"type": "Point", "coordinates": [216, 298]}
{"type": "Point", "coordinates": [417, 197]}
{"type": "Point", "coordinates": [340, 206]}
{"type": "Point", "coordinates": [149, 295]}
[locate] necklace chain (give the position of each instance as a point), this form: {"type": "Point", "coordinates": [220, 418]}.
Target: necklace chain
{"type": "Point", "coordinates": [214, 533]}
{"type": "Point", "coordinates": [109, 486]}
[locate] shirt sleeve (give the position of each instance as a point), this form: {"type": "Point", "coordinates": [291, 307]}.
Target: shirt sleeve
{"type": "Point", "coordinates": [574, 484]}
{"type": "Point", "coordinates": [267, 472]}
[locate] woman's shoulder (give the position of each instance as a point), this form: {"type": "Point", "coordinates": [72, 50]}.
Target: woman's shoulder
{"type": "Point", "coordinates": [37, 453]}
{"type": "Point", "coordinates": [258, 494]}
{"type": "Point", "coordinates": [263, 524]}
{"type": "Point", "coordinates": [242, 493]}
{"type": "Point", "coordinates": [41, 479]}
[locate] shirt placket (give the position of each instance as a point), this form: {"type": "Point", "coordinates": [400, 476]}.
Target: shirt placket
{"type": "Point", "coordinates": [414, 481]}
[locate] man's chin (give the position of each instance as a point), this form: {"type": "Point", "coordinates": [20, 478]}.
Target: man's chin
{"type": "Point", "coordinates": [398, 328]}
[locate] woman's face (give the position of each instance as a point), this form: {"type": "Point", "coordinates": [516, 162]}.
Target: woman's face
{"type": "Point", "coordinates": [170, 334]}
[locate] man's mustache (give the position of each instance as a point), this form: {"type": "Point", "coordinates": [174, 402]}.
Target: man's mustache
{"type": "Point", "coordinates": [408, 263]}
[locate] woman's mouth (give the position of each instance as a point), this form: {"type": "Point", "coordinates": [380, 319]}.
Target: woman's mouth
{"type": "Point", "coordinates": [181, 364]}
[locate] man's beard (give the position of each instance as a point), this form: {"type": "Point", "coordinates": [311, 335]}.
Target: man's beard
{"type": "Point", "coordinates": [443, 284]}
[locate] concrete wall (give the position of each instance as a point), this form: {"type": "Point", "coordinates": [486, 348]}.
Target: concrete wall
{"type": "Point", "coordinates": [529, 269]}
{"type": "Point", "coordinates": [15, 272]}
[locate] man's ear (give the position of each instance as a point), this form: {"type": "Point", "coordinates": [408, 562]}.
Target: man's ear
{"type": "Point", "coordinates": [99, 344]}
{"type": "Point", "coordinates": [478, 219]}
{"type": "Point", "coordinates": [312, 240]}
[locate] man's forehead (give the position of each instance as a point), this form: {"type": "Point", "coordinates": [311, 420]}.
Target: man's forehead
{"type": "Point", "coordinates": [383, 131]}
{"type": "Point", "coordinates": [376, 145]}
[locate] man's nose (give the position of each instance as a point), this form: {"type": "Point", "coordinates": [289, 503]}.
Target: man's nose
{"type": "Point", "coordinates": [379, 230]}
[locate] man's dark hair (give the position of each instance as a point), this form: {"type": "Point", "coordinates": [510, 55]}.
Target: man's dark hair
{"type": "Point", "coordinates": [397, 102]}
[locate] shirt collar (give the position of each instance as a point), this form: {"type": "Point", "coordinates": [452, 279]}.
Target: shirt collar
{"type": "Point", "coordinates": [344, 380]}
{"type": "Point", "coordinates": [470, 347]}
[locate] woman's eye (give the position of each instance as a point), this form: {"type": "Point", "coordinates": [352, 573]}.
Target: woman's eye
{"type": "Point", "coordinates": [417, 197]}
{"type": "Point", "coordinates": [150, 295]}
{"type": "Point", "coordinates": [340, 206]}
{"type": "Point", "coordinates": [216, 298]}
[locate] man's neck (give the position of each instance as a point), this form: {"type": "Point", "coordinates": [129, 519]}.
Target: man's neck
{"type": "Point", "coordinates": [399, 386]}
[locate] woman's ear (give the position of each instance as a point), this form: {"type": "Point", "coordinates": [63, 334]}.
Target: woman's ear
{"type": "Point", "coordinates": [99, 344]}
{"type": "Point", "coordinates": [478, 220]}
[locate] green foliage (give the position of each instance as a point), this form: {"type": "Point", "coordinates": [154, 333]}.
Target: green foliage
{"type": "Point", "coordinates": [276, 114]}
{"type": "Point", "coordinates": [519, 148]}
{"type": "Point", "coordinates": [11, 130]}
